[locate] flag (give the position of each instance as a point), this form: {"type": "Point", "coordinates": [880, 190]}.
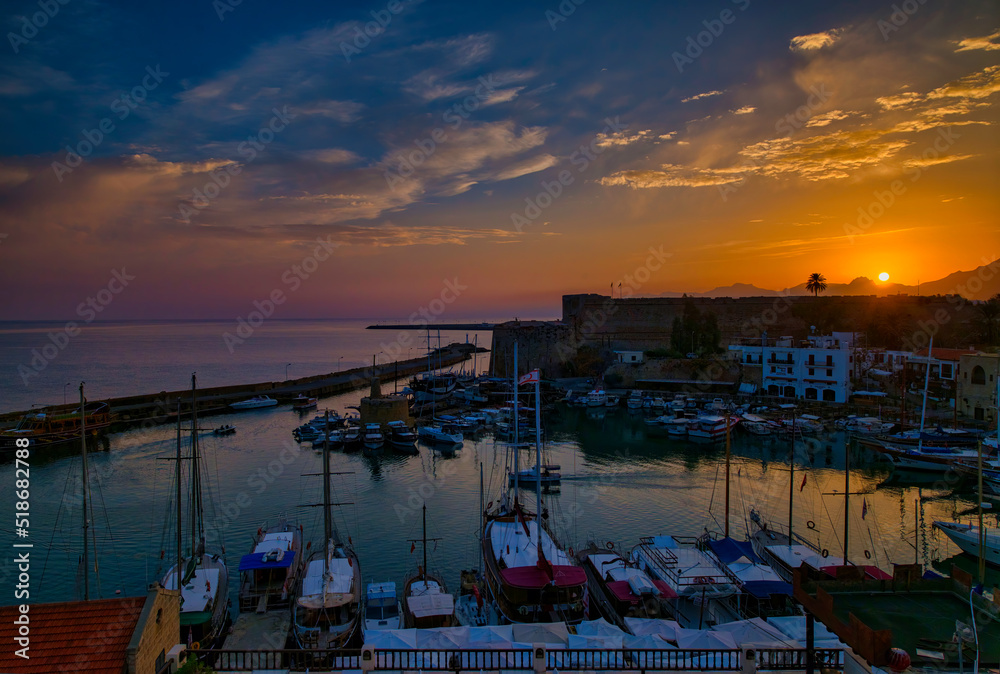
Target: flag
{"type": "Point", "coordinates": [864, 508]}
{"type": "Point", "coordinates": [413, 546]}
{"type": "Point", "coordinates": [530, 378]}
{"type": "Point", "coordinates": [803, 485]}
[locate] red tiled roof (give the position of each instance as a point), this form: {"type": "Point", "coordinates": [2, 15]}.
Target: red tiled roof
{"type": "Point", "coordinates": [77, 636]}
{"type": "Point", "coordinates": [945, 354]}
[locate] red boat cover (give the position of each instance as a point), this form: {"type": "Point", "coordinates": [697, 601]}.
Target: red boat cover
{"type": "Point", "coordinates": [534, 578]}
{"type": "Point", "coordinates": [623, 592]}
{"type": "Point", "coordinates": [872, 572]}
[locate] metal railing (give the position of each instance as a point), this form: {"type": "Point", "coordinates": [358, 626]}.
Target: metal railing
{"type": "Point", "coordinates": [562, 659]}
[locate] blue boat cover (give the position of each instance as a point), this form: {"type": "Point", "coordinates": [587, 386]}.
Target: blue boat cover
{"type": "Point", "coordinates": [253, 561]}
{"type": "Point", "coordinates": [765, 588]}
{"type": "Point", "coordinates": [728, 550]}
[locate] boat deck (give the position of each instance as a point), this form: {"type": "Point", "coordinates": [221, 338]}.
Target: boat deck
{"type": "Point", "coordinates": [917, 619]}
{"type": "Point", "coordinates": [259, 632]}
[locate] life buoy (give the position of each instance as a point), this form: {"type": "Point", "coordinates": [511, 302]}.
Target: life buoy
{"type": "Point", "coordinates": [609, 545]}
{"type": "Point", "coordinates": [868, 555]}
{"type": "Point", "coordinates": [810, 525]}
{"type": "Point", "coordinates": [196, 646]}
{"type": "Point", "coordinates": [825, 553]}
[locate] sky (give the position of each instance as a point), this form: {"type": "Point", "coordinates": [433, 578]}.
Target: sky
{"type": "Point", "coordinates": [210, 158]}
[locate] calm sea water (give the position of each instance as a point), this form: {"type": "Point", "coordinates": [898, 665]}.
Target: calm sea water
{"type": "Point", "coordinates": [622, 479]}
{"type": "Point", "coordinates": [129, 358]}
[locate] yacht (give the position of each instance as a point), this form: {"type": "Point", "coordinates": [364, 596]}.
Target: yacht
{"type": "Point", "coordinates": [254, 403]}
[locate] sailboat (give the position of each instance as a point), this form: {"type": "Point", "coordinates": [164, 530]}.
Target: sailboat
{"type": "Point", "coordinates": [327, 612]}
{"type": "Point", "coordinates": [530, 579]}
{"type": "Point", "coordinates": [202, 577]}
{"type": "Point", "coordinates": [979, 541]}
{"type": "Point", "coordinates": [426, 602]}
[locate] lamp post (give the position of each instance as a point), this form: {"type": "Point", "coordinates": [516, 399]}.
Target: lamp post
{"type": "Point", "coordinates": [286, 371]}
{"type": "Point", "coordinates": [339, 361]}
{"type": "Point", "coordinates": [64, 392]}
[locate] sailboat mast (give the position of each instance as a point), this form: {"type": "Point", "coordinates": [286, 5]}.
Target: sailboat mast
{"type": "Point", "coordinates": [517, 425]}
{"type": "Point", "coordinates": [180, 513]}
{"type": "Point", "coordinates": [86, 480]}
{"type": "Point", "coordinates": [196, 533]}
{"type": "Point", "coordinates": [726, 526]}
{"type": "Point", "coordinates": [979, 504]}
{"type": "Point", "coordinates": [847, 495]}
{"type": "Point", "coordinates": [923, 410]}
{"type": "Point", "coordinates": [538, 464]}
{"type": "Point", "coordinates": [791, 483]}
{"type": "Point", "coordinates": [423, 575]}
{"type": "Point", "coordinates": [327, 527]}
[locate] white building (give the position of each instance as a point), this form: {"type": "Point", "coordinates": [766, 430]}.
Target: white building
{"type": "Point", "coordinates": [629, 356]}
{"type": "Point", "coordinates": [818, 369]}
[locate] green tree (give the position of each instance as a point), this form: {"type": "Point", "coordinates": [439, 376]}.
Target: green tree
{"type": "Point", "coordinates": [816, 284]}
{"type": "Point", "coordinates": [988, 320]}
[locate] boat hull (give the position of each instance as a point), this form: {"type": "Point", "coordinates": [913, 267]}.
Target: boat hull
{"type": "Point", "coordinates": [967, 538]}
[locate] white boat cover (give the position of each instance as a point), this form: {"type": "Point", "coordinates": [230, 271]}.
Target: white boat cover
{"type": "Point", "coordinates": [281, 540]}
{"type": "Point", "coordinates": [198, 591]}
{"type": "Point", "coordinates": [542, 633]}
{"type": "Point", "coordinates": [704, 639]}
{"type": "Point", "coordinates": [641, 627]}
{"type": "Point", "coordinates": [599, 628]}
{"type": "Point", "coordinates": [335, 591]}
{"type": "Point", "coordinates": [516, 548]}
{"type": "Point", "coordinates": [756, 632]}
{"type": "Point", "coordinates": [795, 555]}
{"type": "Point", "coordinates": [426, 605]}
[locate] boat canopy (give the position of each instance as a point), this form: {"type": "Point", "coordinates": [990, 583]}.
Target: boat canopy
{"type": "Point", "coordinates": [728, 550]}
{"type": "Point", "coordinates": [256, 560]}
{"type": "Point", "coordinates": [197, 593]}
{"type": "Point", "coordinates": [535, 578]}
{"type": "Point", "coordinates": [426, 605]}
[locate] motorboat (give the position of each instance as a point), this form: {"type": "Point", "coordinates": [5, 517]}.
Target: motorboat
{"type": "Point", "coordinates": [257, 402]}
{"type": "Point", "coordinates": [382, 607]}
{"type": "Point", "coordinates": [303, 403]}
{"type": "Point", "coordinates": [373, 437]}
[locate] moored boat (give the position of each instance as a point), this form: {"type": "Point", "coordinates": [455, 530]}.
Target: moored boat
{"type": "Point", "coordinates": [382, 607]}
{"type": "Point", "coordinates": [620, 590]}
{"type": "Point", "coordinates": [373, 437]}
{"type": "Point", "coordinates": [302, 403]}
{"type": "Point", "coordinates": [50, 427]}
{"type": "Point", "coordinates": [257, 402]}
{"type": "Point", "coordinates": [966, 537]}
{"type": "Point", "coordinates": [270, 572]}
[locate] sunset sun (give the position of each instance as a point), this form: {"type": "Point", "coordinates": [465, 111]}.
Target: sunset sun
{"type": "Point", "coordinates": [884, 276]}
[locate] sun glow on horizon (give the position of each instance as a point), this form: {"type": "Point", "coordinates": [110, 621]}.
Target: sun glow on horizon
{"type": "Point", "coordinates": [883, 277]}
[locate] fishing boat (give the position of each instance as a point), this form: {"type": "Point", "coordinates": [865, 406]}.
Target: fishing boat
{"type": "Point", "coordinates": [528, 577]}
{"type": "Point", "coordinates": [711, 428]}
{"type": "Point", "coordinates": [257, 402]}
{"type": "Point", "coordinates": [202, 577]}
{"type": "Point", "coordinates": [334, 438]}
{"type": "Point", "coordinates": [401, 436]}
{"type": "Point", "coordinates": [619, 589]}
{"type": "Point", "coordinates": [373, 437]}
{"type": "Point", "coordinates": [597, 398]}
{"type": "Point", "coordinates": [352, 438]}
{"type": "Point", "coordinates": [426, 602]}
{"type": "Point", "coordinates": [686, 570]}
{"type": "Point", "coordinates": [225, 429]}
{"type": "Point", "coordinates": [382, 607]}
{"type": "Point", "coordinates": [327, 611]}
{"type": "Point", "coordinates": [448, 434]}
{"type": "Point", "coordinates": [634, 400]}
{"type": "Point", "coordinates": [301, 403]}
{"type": "Point", "coordinates": [758, 425]}
{"type": "Point", "coordinates": [867, 425]}
{"type": "Point", "coordinates": [50, 427]}
{"type": "Point", "coordinates": [270, 571]}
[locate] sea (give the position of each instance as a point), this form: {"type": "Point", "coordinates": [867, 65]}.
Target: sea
{"type": "Point", "coordinates": [622, 478]}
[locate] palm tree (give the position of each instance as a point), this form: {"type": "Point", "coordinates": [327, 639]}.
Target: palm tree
{"type": "Point", "coordinates": [816, 284]}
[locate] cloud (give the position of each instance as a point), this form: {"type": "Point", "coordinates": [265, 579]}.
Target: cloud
{"type": "Point", "coordinates": [903, 100]}
{"type": "Point", "coordinates": [815, 41]}
{"type": "Point", "coordinates": [987, 43]}
{"type": "Point", "coordinates": [828, 118]}
{"type": "Point", "coordinates": [976, 85]}
{"type": "Point", "coordinates": [331, 156]}
{"type": "Point", "coordinates": [532, 165]}
{"type": "Point", "coordinates": [924, 162]}
{"type": "Point", "coordinates": [621, 138]}
{"type": "Point", "coordinates": [745, 110]}
{"type": "Point", "coordinates": [671, 175]}
{"type": "Point", "coordinates": [698, 97]}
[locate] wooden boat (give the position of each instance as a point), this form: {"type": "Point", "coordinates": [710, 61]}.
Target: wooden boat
{"type": "Point", "coordinates": [270, 571]}
{"type": "Point", "coordinates": [303, 403]}
{"type": "Point", "coordinates": [621, 590]}
{"type": "Point", "coordinates": [49, 427]}
{"type": "Point", "coordinates": [426, 602]}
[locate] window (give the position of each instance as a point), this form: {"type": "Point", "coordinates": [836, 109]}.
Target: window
{"type": "Point", "coordinates": [829, 395]}
{"type": "Point", "coordinates": [772, 369]}
{"type": "Point", "coordinates": [811, 394]}
{"type": "Point", "coordinates": [829, 360]}
{"type": "Point", "coordinates": [811, 372]}
{"type": "Point", "coordinates": [978, 375]}
{"type": "Point", "coordinates": [812, 359]}
{"type": "Point", "coordinates": [946, 370]}
{"type": "Point", "coordinates": [829, 373]}
{"type": "Point", "coordinates": [789, 391]}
